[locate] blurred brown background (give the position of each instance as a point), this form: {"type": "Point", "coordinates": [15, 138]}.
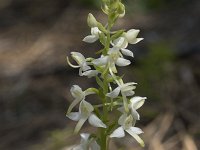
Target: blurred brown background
{"type": "Point", "coordinates": [35, 38]}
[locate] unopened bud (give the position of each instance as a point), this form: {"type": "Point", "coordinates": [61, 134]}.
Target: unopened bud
{"type": "Point", "coordinates": [92, 22]}
{"type": "Point", "coordinates": [121, 10]}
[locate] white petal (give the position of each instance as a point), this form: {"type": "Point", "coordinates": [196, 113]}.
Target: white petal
{"type": "Point", "coordinates": [122, 62]}
{"type": "Point", "coordinates": [122, 118]}
{"type": "Point", "coordinates": [77, 92]}
{"type": "Point", "coordinates": [127, 52]}
{"type": "Point", "coordinates": [119, 132]}
{"type": "Point", "coordinates": [136, 40]}
{"type": "Point", "coordinates": [75, 116]}
{"type": "Point", "coordinates": [90, 39]}
{"type": "Point", "coordinates": [131, 35]}
{"type": "Point", "coordinates": [135, 114]}
{"type": "Point", "coordinates": [95, 31]}
{"type": "Point", "coordinates": [90, 73]}
{"type": "Point", "coordinates": [136, 130]}
{"type": "Point", "coordinates": [129, 93]}
{"type": "Point", "coordinates": [120, 42]}
{"type": "Point", "coordinates": [79, 124]}
{"type": "Point", "coordinates": [78, 57]}
{"type": "Point", "coordinates": [95, 121]}
{"type": "Point", "coordinates": [137, 102]}
{"type": "Point", "coordinates": [137, 138]}
{"type": "Point", "coordinates": [114, 93]}
{"type": "Point", "coordinates": [100, 61]}
{"type": "Point", "coordinates": [84, 136]}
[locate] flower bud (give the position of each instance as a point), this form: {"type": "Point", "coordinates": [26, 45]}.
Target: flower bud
{"type": "Point", "coordinates": [121, 10]}
{"type": "Point", "coordinates": [92, 22]}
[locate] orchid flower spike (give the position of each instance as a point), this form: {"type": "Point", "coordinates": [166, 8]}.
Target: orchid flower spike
{"type": "Point", "coordinates": [127, 124]}
{"type": "Point", "coordinates": [85, 112]}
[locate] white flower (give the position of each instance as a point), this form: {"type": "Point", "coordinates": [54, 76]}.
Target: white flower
{"type": "Point", "coordinates": [135, 103]}
{"type": "Point", "coordinates": [128, 37]}
{"type": "Point", "coordinates": [85, 112]}
{"type": "Point", "coordinates": [127, 124]}
{"type": "Point", "coordinates": [87, 143]}
{"type": "Point", "coordinates": [113, 58]}
{"type": "Point", "coordinates": [126, 89]}
{"type": "Point", "coordinates": [94, 35]}
{"type": "Point", "coordinates": [78, 95]}
{"type": "Point", "coordinates": [81, 61]}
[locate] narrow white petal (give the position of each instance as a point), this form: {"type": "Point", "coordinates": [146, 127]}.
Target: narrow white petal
{"type": "Point", "coordinates": [72, 105]}
{"type": "Point", "coordinates": [95, 121]}
{"type": "Point", "coordinates": [90, 73]}
{"type": "Point", "coordinates": [75, 116]}
{"type": "Point", "coordinates": [73, 66]}
{"type": "Point", "coordinates": [114, 93]}
{"type": "Point", "coordinates": [122, 62]}
{"type": "Point", "coordinates": [136, 137]}
{"type": "Point", "coordinates": [90, 39]}
{"type": "Point", "coordinates": [129, 83]}
{"type": "Point", "coordinates": [119, 132]}
{"type": "Point", "coordinates": [137, 102]}
{"type": "Point", "coordinates": [100, 61]}
{"type": "Point", "coordinates": [127, 52]}
{"type": "Point", "coordinates": [135, 114]}
{"type": "Point", "coordinates": [80, 124]}
{"type": "Point", "coordinates": [135, 41]}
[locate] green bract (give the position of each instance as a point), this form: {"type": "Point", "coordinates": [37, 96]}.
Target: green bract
{"type": "Point", "coordinates": [113, 93]}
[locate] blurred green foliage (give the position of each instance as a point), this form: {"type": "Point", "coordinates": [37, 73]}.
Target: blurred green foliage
{"type": "Point", "coordinates": [154, 70]}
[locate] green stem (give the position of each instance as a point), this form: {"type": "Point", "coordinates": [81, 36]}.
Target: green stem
{"type": "Point", "coordinates": [104, 140]}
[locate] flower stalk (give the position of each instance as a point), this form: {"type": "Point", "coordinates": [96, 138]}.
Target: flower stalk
{"type": "Point", "coordinates": [114, 94]}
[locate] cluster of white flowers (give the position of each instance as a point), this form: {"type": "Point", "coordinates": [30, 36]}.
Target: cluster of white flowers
{"type": "Point", "coordinates": [114, 93]}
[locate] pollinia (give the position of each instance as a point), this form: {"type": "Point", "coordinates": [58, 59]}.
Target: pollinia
{"type": "Point", "coordinates": [114, 95]}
